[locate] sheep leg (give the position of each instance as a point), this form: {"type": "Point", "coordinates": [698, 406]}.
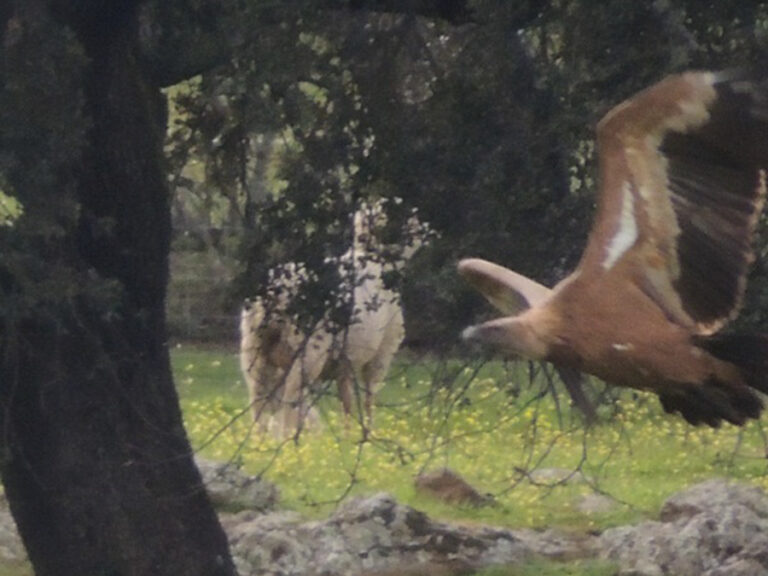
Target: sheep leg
{"type": "Point", "coordinates": [290, 407]}
{"type": "Point", "coordinates": [257, 379]}
{"type": "Point", "coordinates": [304, 372]}
{"type": "Point", "coordinates": [369, 392]}
{"type": "Point", "coordinates": [253, 394]}
{"type": "Point", "coordinates": [345, 382]}
{"type": "Point", "coordinates": [249, 364]}
{"type": "Point", "coordinates": [377, 370]}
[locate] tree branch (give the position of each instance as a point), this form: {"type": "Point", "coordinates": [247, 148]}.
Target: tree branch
{"type": "Point", "coordinates": [183, 38]}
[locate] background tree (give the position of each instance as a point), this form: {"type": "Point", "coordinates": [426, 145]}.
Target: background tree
{"type": "Point", "coordinates": [448, 117]}
{"type": "Point", "coordinates": [96, 464]}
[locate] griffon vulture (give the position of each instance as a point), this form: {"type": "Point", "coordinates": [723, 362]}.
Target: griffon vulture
{"type": "Point", "coordinates": [682, 183]}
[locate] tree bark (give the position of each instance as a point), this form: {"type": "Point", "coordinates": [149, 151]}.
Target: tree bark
{"type": "Point", "coordinates": [96, 464]}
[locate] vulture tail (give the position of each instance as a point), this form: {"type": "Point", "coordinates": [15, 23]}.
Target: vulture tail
{"type": "Point", "coordinates": [747, 351]}
{"type": "Point", "coordinates": [714, 400]}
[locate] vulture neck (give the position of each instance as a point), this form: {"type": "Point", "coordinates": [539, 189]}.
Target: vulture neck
{"type": "Point", "coordinates": [526, 335]}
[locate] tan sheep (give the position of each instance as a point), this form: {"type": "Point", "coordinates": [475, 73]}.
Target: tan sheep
{"type": "Point", "coordinates": [279, 363]}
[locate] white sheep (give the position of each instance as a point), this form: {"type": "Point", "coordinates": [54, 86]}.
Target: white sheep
{"type": "Point", "coordinates": [377, 328]}
{"type": "Point", "coordinates": [281, 364]}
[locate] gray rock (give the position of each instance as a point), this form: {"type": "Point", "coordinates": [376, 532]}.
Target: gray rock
{"type": "Point", "coordinates": [708, 530]}
{"type": "Point", "coordinates": [715, 493]}
{"type": "Point", "coordinates": [230, 489]}
{"type": "Point", "coordinates": [742, 567]}
{"type": "Point", "coordinates": [11, 548]}
{"type": "Point", "coordinates": [377, 535]}
{"type": "Point", "coordinates": [596, 504]}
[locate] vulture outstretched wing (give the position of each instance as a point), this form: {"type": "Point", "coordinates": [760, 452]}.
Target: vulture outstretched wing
{"type": "Point", "coordinates": [509, 292]}
{"type": "Point", "coordinates": [682, 184]}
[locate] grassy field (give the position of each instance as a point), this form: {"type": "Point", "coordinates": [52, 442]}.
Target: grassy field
{"type": "Point", "coordinates": [490, 423]}
{"type": "Point", "coordinates": [579, 568]}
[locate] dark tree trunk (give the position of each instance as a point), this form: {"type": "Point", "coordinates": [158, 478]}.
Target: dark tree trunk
{"type": "Point", "coordinates": [96, 464]}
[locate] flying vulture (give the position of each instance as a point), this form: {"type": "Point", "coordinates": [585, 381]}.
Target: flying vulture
{"type": "Point", "coordinates": [682, 183]}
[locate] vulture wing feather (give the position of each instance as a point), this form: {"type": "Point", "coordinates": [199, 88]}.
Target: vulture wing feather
{"type": "Point", "coordinates": [682, 186]}
{"type": "Point", "coordinates": [508, 291]}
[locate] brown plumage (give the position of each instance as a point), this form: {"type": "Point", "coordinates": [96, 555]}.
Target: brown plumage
{"type": "Point", "coordinates": [682, 184]}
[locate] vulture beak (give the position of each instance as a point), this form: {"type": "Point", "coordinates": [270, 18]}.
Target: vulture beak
{"type": "Point", "coordinates": [469, 333]}
{"type": "Point", "coordinates": [509, 334]}
{"type": "Point", "coordinates": [486, 333]}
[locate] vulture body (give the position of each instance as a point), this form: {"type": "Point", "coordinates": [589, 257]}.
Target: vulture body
{"type": "Point", "coordinates": [682, 183]}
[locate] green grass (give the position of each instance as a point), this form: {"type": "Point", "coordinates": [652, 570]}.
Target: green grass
{"type": "Point", "coordinates": [432, 415]}
{"type": "Point", "coordinates": [8, 568]}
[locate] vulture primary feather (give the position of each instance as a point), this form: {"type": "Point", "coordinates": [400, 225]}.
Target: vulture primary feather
{"type": "Point", "coordinates": [682, 169]}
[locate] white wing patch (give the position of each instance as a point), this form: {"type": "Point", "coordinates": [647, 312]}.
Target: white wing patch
{"type": "Point", "coordinates": [626, 235]}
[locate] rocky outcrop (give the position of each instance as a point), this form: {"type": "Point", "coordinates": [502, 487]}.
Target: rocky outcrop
{"type": "Point", "coordinates": [376, 535]}
{"type": "Point", "coordinates": [11, 548]}
{"type": "Point", "coordinates": [713, 529]}
{"type": "Point", "coordinates": [232, 490]}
